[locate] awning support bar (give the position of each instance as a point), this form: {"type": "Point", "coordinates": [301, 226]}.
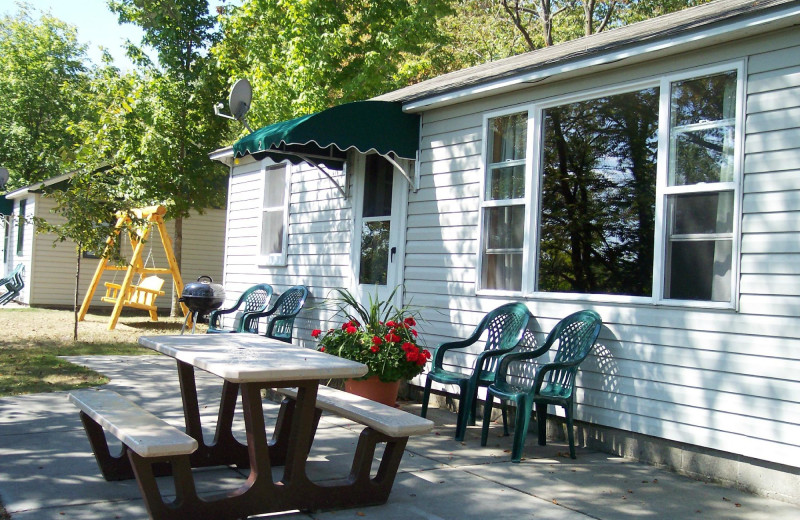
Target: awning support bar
{"type": "Point", "coordinates": [403, 171]}
{"type": "Point", "coordinates": [325, 173]}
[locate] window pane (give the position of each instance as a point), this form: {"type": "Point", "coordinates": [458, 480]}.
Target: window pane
{"type": "Point", "coordinates": [379, 174]}
{"type": "Point", "coordinates": [275, 187]}
{"type": "Point", "coordinates": [272, 233]}
{"type": "Point", "coordinates": [702, 119]}
{"type": "Point", "coordinates": [507, 182]}
{"type": "Point", "coordinates": [508, 138]}
{"type": "Point", "coordinates": [374, 253]}
{"type": "Point", "coordinates": [699, 270]}
{"type": "Point", "coordinates": [700, 100]}
{"type": "Point", "coordinates": [502, 260]}
{"type": "Point", "coordinates": [502, 271]}
{"type": "Point", "coordinates": [703, 156]}
{"type": "Point", "coordinates": [597, 222]}
{"type": "Point", "coordinates": [702, 213]}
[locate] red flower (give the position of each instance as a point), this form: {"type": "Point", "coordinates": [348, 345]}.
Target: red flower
{"type": "Point", "coordinates": [391, 324]}
{"type": "Point", "coordinates": [421, 360]}
{"type": "Point", "coordinates": [350, 329]}
{"type": "Point", "coordinates": [322, 349]}
{"type": "Point", "coordinates": [392, 338]}
{"type": "Point", "coordinates": [376, 340]}
{"type": "Point", "coordinates": [412, 356]}
{"type": "Point", "coordinates": [410, 321]}
{"type": "Point", "coordinates": [414, 332]}
{"type": "Point", "coordinates": [426, 354]}
{"type": "Point", "coordinates": [409, 347]}
{"type": "Point", "coordinates": [315, 333]}
{"type": "Point", "coordinates": [374, 348]}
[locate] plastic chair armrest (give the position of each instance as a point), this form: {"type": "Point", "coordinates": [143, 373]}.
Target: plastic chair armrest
{"type": "Point", "coordinates": [438, 356]}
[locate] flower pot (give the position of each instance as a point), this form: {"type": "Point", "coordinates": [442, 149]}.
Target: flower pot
{"type": "Point", "coordinates": [374, 389]}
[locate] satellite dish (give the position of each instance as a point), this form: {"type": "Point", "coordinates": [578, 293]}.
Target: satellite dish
{"type": "Point", "coordinates": [3, 177]}
{"type": "Point", "coordinates": [240, 98]}
{"type": "Point", "coordinates": [239, 102]}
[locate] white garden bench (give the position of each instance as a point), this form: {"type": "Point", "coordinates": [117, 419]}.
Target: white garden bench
{"type": "Point", "coordinates": [387, 420]}
{"type": "Point", "coordinates": [139, 431]}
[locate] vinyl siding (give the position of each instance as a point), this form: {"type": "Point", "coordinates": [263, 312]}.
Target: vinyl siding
{"type": "Point", "coordinates": [318, 240]}
{"type": "Point", "coordinates": [52, 277]}
{"type": "Point", "coordinates": [723, 379]}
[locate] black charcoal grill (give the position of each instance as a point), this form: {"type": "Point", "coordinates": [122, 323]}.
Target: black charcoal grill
{"type": "Point", "coordinates": [201, 297]}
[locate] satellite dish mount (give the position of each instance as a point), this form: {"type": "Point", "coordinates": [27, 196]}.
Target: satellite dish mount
{"type": "Point", "coordinates": [238, 102]}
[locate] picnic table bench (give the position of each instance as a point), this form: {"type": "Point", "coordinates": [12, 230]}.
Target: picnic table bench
{"type": "Point", "coordinates": [154, 448]}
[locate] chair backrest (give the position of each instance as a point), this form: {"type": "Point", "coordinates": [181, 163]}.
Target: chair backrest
{"type": "Point", "coordinates": [286, 308]}
{"type": "Point", "coordinates": [504, 326]}
{"type": "Point", "coordinates": [153, 283]}
{"type": "Point", "coordinates": [576, 335]}
{"type": "Point", "coordinates": [256, 298]}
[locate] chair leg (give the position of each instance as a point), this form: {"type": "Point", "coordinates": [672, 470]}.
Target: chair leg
{"type": "Point", "coordinates": [505, 418]}
{"type": "Point", "coordinates": [521, 427]}
{"type": "Point", "coordinates": [464, 405]}
{"type": "Point", "coordinates": [570, 431]}
{"type": "Point", "coordinates": [541, 422]}
{"type": "Point", "coordinates": [426, 397]}
{"type": "Point", "coordinates": [487, 416]}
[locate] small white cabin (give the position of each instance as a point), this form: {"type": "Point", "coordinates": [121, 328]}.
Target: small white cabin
{"type": "Point", "coordinates": [651, 173]}
{"type": "Point", "coordinates": [50, 266]}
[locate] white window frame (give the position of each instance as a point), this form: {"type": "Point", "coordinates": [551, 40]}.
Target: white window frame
{"type": "Point", "coordinates": [533, 188]}
{"type": "Point", "coordinates": [274, 259]}
{"type": "Point", "coordinates": [525, 201]}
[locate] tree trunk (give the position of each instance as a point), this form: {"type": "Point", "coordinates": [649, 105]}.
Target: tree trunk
{"type": "Point", "coordinates": [77, 288]}
{"type": "Point", "coordinates": [177, 246]}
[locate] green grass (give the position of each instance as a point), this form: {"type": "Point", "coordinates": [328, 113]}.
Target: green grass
{"type": "Point", "coordinates": [31, 341]}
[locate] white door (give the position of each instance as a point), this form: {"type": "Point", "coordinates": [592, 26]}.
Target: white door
{"type": "Point", "coordinates": [379, 202]}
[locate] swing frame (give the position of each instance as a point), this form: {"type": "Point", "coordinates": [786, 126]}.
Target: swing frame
{"type": "Point", "coordinates": [124, 292]}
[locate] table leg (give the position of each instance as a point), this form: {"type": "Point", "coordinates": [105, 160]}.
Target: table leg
{"type": "Point", "coordinates": [225, 449]}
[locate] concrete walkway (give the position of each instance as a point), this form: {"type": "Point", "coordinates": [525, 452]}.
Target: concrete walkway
{"type": "Point", "coordinates": [48, 472]}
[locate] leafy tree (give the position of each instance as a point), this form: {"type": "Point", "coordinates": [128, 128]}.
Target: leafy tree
{"type": "Point", "coordinates": [174, 100]}
{"type": "Point", "coordinates": [543, 23]}
{"type": "Point", "coordinates": [42, 91]}
{"type": "Point", "coordinates": [303, 57]}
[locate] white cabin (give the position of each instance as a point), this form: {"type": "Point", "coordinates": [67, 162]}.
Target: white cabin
{"type": "Point", "coordinates": [690, 126]}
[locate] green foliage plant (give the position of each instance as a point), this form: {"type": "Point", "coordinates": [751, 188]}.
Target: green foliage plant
{"type": "Point", "coordinates": [378, 335]}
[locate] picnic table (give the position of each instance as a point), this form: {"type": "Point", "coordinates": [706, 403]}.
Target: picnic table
{"type": "Point", "coordinates": [248, 364]}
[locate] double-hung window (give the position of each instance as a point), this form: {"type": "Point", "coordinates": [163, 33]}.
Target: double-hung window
{"type": "Point", "coordinates": [636, 193]}
{"type": "Point", "coordinates": [274, 215]}
{"type": "Point", "coordinates": [504, 203]}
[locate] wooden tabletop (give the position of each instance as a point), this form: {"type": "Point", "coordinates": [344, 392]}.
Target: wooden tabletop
{"type": "Point", "coordinates": [251, 358]}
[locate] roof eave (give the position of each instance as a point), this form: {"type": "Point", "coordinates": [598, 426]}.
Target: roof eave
{"type": "Point", "coordinates": [618, 56]}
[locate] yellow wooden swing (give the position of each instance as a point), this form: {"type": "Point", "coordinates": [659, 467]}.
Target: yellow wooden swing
{"type": "Point", "coordinates": [142, 295]}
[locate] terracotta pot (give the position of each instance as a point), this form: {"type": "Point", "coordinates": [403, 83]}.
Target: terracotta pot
{"type": "Point", "coordinates": [374, 389]}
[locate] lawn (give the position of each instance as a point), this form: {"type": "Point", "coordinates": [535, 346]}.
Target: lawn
{"type": "Point", "coordinates": [32, 339]}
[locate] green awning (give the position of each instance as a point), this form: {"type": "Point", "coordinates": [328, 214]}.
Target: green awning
{"type": "Point", "coordinates": [324, 137]}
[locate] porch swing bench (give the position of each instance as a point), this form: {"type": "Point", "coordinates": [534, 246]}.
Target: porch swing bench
{"type": "Point", "coordinates": [142, 296]}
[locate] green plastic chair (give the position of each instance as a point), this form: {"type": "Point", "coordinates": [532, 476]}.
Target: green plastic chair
{"type": "Point", "coordinates": [281, 315]}
{"type": "Point", "coordinates": [505, 326]}
{"type": "Point", "coordinates": [254, 299]}
{"type": "Point", "coordinates": [554, 382]}
{"type": "Point", "coordinates": [13, 284]}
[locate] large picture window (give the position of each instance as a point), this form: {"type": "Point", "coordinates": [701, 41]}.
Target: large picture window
{"type": "Point", "coordinates": [636, 197]}
{"type": "Point", "coordinates": [274, 216]}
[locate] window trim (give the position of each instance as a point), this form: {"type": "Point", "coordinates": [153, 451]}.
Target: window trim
{"type": "Point", "coordinates": [524, 201]}
{"type": "Point", "coordinates": [274, 259]}
{"type": "Point", "coordinates": [533, 182]}
{"type": "Point", "coordinates": [21, 224]}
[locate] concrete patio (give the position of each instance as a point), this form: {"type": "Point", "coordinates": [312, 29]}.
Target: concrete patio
{"type": "Point", "coordinates": [47, 470]}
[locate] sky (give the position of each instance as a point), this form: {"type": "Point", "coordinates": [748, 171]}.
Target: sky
{"type": "Point", "coordinates": [96, 25]}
